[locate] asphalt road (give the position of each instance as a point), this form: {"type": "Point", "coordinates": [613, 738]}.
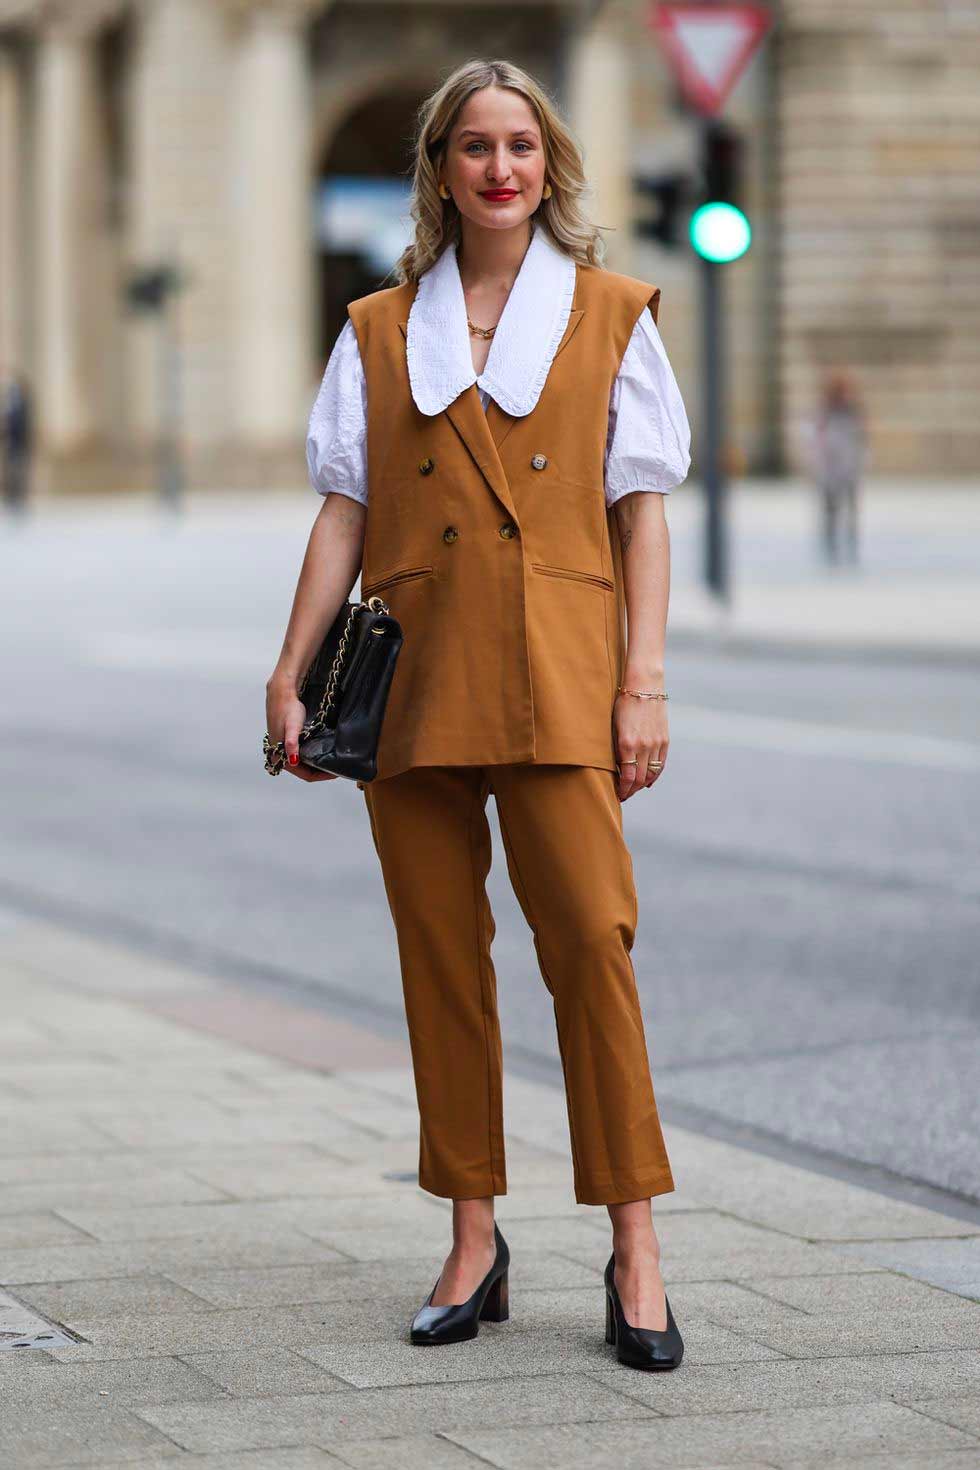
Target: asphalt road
{"type": "Point", "coordinates": [807, 867]}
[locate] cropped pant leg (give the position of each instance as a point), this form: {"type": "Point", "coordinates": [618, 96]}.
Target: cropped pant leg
{"type": "Point", "coordinates": [431, 832]}
{"type": "Point", "coordinates": [572, 873]}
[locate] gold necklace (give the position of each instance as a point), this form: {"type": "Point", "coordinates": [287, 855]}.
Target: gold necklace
{"type": "Point", "coordinates": [485, 332]}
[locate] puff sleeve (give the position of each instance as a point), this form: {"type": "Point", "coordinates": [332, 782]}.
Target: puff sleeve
{"type": "Point", "coordinates": [336, 440]}
{"type": "Point", "coordinates": [648, 446]}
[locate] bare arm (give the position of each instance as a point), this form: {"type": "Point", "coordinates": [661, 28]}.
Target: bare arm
{"type": "Point", "coordinates": [640, 725]}
{"type": "Point", "coordinates": [330, 568]}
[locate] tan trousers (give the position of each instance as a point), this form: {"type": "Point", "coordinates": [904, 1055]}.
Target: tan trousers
{"type": "Point", "coordinates": [573, 876]}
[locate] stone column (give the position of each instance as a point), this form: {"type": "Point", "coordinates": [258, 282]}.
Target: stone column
{"type": "Point", "coordinates": [272, 223]}
{"type": "Point", "coordinates": [67, 143]}
{"type": "Point", "coordinates": [599, 109]}
{"type": "Point", "coordinates": [11, 262]}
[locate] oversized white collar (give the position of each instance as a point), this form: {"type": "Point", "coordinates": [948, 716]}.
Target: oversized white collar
{"type": "Point", "coordinates": [530, 329]}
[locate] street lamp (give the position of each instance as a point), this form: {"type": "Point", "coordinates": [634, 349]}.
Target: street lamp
{"type": "Point", "coordinates": [150, 289]}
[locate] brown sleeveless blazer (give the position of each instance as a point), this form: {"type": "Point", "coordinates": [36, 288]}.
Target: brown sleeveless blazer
{"type": "Point", "coordinates": [489, 537]}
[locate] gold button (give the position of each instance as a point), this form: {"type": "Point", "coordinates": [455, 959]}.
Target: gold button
{"type": "Point", "coordinates": [450, 533]}
{"type": "Point", "coordinates": [539, 461]}
{"type": "Point", "coordinates": [427, 466]}
{"type": "Point", "coordinates": [508, 529]}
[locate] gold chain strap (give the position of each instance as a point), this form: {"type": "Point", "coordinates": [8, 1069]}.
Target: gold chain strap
{"type": "Point", "coordinates": [275, 754]}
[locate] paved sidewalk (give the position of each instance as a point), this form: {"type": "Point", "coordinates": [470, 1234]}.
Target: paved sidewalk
{"type": "Point", "coordinates": [235, 1244]}
{"type": "Point", "coordinates": [915, 592]}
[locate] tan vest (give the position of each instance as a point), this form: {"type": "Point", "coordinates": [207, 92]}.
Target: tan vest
{"type": "Point", "coordinates": [489, 538]}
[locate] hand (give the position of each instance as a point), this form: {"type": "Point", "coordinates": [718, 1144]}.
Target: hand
{"type": "Point", "coordinates": [285, 715]}
{"type": "Point", "coordinates": [640, 734]}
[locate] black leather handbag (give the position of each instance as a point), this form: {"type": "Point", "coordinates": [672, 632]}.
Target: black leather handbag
{"type": "Point", "coordinates": [346, 689]}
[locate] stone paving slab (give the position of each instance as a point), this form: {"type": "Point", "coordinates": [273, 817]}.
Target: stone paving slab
{"type": "Point", "coordinates": [332, 1418]}
{"type": "Point", "coordinates": [813, 1206]}
{"type": "Point", "coordinates": [303, 1457]}
{"type": "Point", "coordinates": [869, 1332]}
{"type": "Point", "coordinates": [111, 1296]}
{"type": "Point", "coordinates": [803, 1437]}
{"type": "Point", "coordinates": [24, 1137]}
{"type": "Point", "coordinates": [539, 1345]}
{"type": "Point", "coordinates": [110, 1164]}
{"type": "Point", "coordinates": [702, 1246]}
{"type": "Point", "coordinates": [583, 1240]}
{"type": "Point", "coordinates": [816, 1302]}
{"type": "Point", "coordinates": [205, 1123]}
{"type": "Point", "coordinates": [149, 1187]}
{"type": "Point", "coordinates": [877, 1291]}
{"type": "Point", "coordinates": [38, 1227]}
{"type": "Point", "coordinates": [948, 1460]}
{"type": "Point", "coordinates": [951, 1265]}
{"type": "Point", "coordinates": [942, 1377]}
{"type": "Point", "coordinates": [80, 1435]}
{"type": "Point", "coordinates": [313, 1216]}
{"type": "Point", "coordinates": [243, 1255]}
{"type": "Point", "coordinates": [411, 1452]}
{"type": "Point", "coordinates": [268, 1371]}
{"type": "Point", "coordinates": [253, 1248]}
{"type": "Point", "coordinates": [964, 1413]}
{"type": "Point", "coordinates": [298, 1326]}
{"type": "Point", "coordinates": [299, 1173]}
{"type": "Point", "coordinates": [338, 1281]}
{"type": "Point", "coordinates": [40, 1384]}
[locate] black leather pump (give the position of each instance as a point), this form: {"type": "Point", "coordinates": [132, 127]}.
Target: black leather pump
{"type": "Point", "coordinates": [640, 1347]}
{"type": "Point", "coordinates": [461, 1320]}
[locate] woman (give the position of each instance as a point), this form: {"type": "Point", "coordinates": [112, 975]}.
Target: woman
{"type": "Point", "coordinates": [839, 454]}
{"type": "Point", "coordinates": [479, 436]}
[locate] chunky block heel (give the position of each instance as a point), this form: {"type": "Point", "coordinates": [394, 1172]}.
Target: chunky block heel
{"type": "Point", "coordinates": [496, 1308]}
{"type": "Point", "coordinates": [460, 1321]}
{"type": "Point", "coordinates": [640, 1347]}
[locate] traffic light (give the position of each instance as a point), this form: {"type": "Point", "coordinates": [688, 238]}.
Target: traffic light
{"type": "Point", "coordinates": [719, 230]}
{"type": "Point", "coordinates": [670, 193]}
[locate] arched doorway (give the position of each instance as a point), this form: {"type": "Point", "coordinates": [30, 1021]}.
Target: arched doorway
{"type": "Point", "coordinates": [361, 194]}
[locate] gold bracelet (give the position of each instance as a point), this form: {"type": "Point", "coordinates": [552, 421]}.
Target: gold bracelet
{"type": "Point", "coordinates": [643, 693]}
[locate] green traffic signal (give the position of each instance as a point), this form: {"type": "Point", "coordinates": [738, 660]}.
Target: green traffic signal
{"type": "Point", "coordinates": [720, 232]}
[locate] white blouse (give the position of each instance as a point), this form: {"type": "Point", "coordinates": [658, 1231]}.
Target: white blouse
{"type": "Point", "coordinates": [648, 441]}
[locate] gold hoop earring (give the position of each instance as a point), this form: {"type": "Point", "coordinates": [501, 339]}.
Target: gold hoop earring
{"type": "Point", "coordinates": [546, 192]}
{"type": "Point", "coordinates": [444, 192]}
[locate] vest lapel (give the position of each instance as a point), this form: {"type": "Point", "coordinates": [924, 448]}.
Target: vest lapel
{"type": "Point", "coordinates": [470, 422]}
{"type": "Point", "coordinates": [484, 432]}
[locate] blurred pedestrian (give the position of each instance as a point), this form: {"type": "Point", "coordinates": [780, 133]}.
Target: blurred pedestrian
{"type": "Point", "coordinates": [839, 449]}
{"type": "Point", "coordinates": [16, 440]}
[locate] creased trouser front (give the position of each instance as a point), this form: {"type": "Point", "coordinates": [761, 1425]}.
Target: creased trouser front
{"type": "Point", "coordinates": [572, 873]}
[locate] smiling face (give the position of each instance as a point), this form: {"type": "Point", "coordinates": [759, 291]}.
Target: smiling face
{"type": "Point", "coordinates": [494, 165]}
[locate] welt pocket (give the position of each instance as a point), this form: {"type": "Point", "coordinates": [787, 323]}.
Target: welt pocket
{"type": "Point", "coordinates": [592, 578]}
{"type": "Point", "coordinates": [390, 579]}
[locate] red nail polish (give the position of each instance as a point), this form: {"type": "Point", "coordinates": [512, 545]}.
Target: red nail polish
{"type": "Point", "coordinates": [294, 760]}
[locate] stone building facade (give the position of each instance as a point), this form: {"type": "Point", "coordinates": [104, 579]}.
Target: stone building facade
{"type": "Point", "coordinates": [195, 131]}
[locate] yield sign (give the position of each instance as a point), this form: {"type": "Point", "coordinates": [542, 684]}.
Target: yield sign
{"type": "Point", "coordinates": [709, 46]}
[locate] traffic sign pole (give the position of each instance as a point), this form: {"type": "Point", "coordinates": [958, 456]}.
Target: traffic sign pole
{"type": "Point", "coordinates": [716, 569]}
{"type": "Point", "coordinates": [708, 46]}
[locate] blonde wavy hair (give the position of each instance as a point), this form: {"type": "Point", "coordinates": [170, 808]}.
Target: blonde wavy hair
{"type": "Point", "coordinates": [437, 220]}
